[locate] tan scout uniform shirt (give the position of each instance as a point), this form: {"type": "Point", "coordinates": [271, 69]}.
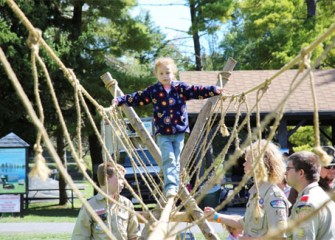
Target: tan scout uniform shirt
{"type": "Point", "coordinates": [274, 206]}
{"type": "Point", "coordinates": [123, 224]}
{"type": "Point", "coordinates": [321, 225]}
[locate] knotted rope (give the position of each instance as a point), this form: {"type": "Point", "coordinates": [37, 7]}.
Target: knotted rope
{"type": "Point", "coordinates": [40, 168]}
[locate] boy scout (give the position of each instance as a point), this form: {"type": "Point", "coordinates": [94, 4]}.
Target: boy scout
{"type": "Point", "coordinates": [303, 173]}
{"type": "Point", "coordinates": [123, 224]}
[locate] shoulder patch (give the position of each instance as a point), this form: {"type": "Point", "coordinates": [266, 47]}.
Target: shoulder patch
{"type": "Point", "coordinates": [304, 198]}
{"type": "Point", "coordinates": [303, 210]}
{"type": "Point", "coordinates": [102, 213]}
{"type": "Point", "coordinates": [278, 204]}
{"type": "Point", "coordinates": [261, 202]}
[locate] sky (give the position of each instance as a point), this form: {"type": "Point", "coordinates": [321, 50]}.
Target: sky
{"type": "Point", "coordinates": [168, 15]}
{"type": "Point", "coordinates": [173, 18]}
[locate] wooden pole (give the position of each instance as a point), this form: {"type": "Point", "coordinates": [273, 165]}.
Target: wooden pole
{"type": "Point", "coordinates": [191, 206]}
{"type": "Point", "coordinates": [134, 119]}
{"type": "Point", "coordinates": [201, 119]}
{"type": "Point", "coordinates": [161, 230]}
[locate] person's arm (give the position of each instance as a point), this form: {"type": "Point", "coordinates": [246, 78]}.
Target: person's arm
{"type": "Point", "coordinates": [139, 98]}
{"type": "Point", "coordinates": [200, 92]}
{"type": "Point", "coordinates": [307, 229]}
{"type": "Point", "coordinates": [230, 220]}
{"type": "Point", "coordinates": [133, 229]}
{"type": "Point", "coordinates": [82, 228]}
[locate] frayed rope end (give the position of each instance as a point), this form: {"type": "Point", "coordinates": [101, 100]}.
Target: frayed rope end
{"type": "Point", "coordinates": [40, 168]}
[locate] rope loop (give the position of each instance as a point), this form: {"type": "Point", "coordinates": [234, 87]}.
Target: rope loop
{"type": "Point", "coordinates": [305, 60]}
{"type": "Point", "coordinates": [110, 83]}
{"type": "Point", "coordinates": [242, 98]}
{"type": "Point", "coordinates": [223, 98]}
{"type": "Point", "coordinates": [72, 78]}
{"type": "Point", "coordinates": [224, 75]}
{"type": "Point", "coordinates": [34, 40]}
{"type": "Point", "coordinates": [38, 149]}
{"type": "Point", "coordinates": [266, 85]}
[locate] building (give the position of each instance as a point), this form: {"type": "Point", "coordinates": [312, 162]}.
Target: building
{"type": "Point", "coordinates": [299, 109]}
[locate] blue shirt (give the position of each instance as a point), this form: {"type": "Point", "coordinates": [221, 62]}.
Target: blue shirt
{"type": "Point", "coordinates": [169, 108]}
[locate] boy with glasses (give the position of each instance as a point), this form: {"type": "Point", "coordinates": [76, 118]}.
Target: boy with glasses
{"type": "Point", "coordinates": [303, 173]}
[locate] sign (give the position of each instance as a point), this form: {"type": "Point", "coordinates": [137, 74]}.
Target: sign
{"type": "Point", "coordinates": [12, 170]}
{"type": "Point", "coordinates": [9, 203]}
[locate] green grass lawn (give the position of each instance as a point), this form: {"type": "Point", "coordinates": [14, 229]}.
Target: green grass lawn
{"type": "Point", "coordinates": [33, 236]}
{"type": "Point", "coordinates": [17, 188]}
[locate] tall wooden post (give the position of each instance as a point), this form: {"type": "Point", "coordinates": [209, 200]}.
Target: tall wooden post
{"type": "Point", "coordinates": [191, 206]}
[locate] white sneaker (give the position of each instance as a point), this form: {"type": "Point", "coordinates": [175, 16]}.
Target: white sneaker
{"type": "Point", "coordinates": [170, 193]}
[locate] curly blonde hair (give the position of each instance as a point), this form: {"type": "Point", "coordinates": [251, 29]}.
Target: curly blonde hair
{"type": "Point", "coordinates": [271, 167]}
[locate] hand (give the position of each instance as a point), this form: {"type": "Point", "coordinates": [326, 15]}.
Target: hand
{"type": "Point", "coordinates": [209, 212]}
{"type": "Point", "coordinates": [219, 90]}
{"type": "Point", "coordinates": [114, 103]}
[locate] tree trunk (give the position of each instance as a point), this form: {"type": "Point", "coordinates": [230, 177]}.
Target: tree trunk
{"type": "Point", "coordinates": [311, 8]}
{"type": "Point", "coordinates": [195, 36]}
{"type": "Point", "coordinates": [77, 19]}
{"type": "Point", "coordinates": [61, 153]}
{"type": "Point", "coordinates": [96, 155]}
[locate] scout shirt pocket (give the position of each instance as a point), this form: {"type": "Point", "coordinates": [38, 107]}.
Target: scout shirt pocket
{"type": "Point", "coordinates": [122, 220]}
{"type": "Point", "coordinates": [253, 226]}
{"type": "Point", "coordinates": [96, 228]}
{"type": "Point", "coordinates": [304, 230]}
{"type": "Point", "coordinates": [258, 223]}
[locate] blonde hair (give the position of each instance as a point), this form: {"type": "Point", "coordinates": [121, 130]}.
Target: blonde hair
{"type": "Point", "coordinates": [271, 167]}
{"type": "Point", "coordinates": [165, 61]}
{"type": "Point", "coordinates": [107, 169]}
{"type": "Point", "coordinates": [235, 232]}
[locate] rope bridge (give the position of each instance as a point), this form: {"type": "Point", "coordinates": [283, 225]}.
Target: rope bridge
{"type": "Point", "coordinates": [214, 110]}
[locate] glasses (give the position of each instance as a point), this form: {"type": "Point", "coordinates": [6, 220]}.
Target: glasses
{"type": "Point", "coordinates": [329, 167]}
{"type": "Point", "coordinates": [288, 168]}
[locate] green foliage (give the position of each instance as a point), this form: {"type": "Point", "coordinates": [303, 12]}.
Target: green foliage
{"type": "Point", "coordinates": [305, 147]}
{"type": "Point", "coordinates": [303, 136]}
{"type": "Point", "coordinates": [82, 34]}
{"type": "Point", "coordinates": [304, 139]}
{"type": "Point", "coordinates": [268, 34]}
{"type": "Point", "coordinates": [210, 15]}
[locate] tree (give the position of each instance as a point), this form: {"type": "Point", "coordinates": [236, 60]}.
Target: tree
{"type": "Point", "coordinates": [82, 33]}
{"type": "Point", "coordinates": [268, 34]}
{"type": "Point", "coordinates": [304, 139]}
{"type": "Point", "coordinates": [207, 17]}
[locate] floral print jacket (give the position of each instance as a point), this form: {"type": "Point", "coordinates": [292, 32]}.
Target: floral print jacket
{"type": "Point", "coordinates": [169, 107]}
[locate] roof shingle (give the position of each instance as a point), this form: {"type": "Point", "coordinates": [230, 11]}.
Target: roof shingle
{"type": "Point", "coordinates": [241, 81]}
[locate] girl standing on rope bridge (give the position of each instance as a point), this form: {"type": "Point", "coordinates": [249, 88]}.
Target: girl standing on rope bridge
{"type": "Point", "coordinates": [168, 97]}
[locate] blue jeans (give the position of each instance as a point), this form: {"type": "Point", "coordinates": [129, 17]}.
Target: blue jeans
{"type": "Point", "coordinates": [171, 147]}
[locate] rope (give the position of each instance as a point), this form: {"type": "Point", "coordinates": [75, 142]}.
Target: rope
{"type": "Point", "coordinates": [81, 96]}
{"type": "Point", "coordinates": [40, 168]}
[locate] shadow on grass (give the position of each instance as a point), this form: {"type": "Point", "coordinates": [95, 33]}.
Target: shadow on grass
{"type": "Point", "coordinates": [51, 210]}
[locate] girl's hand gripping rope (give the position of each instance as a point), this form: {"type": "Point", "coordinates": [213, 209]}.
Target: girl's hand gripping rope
{"type": "Point", "coordinates": [114, 104]}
